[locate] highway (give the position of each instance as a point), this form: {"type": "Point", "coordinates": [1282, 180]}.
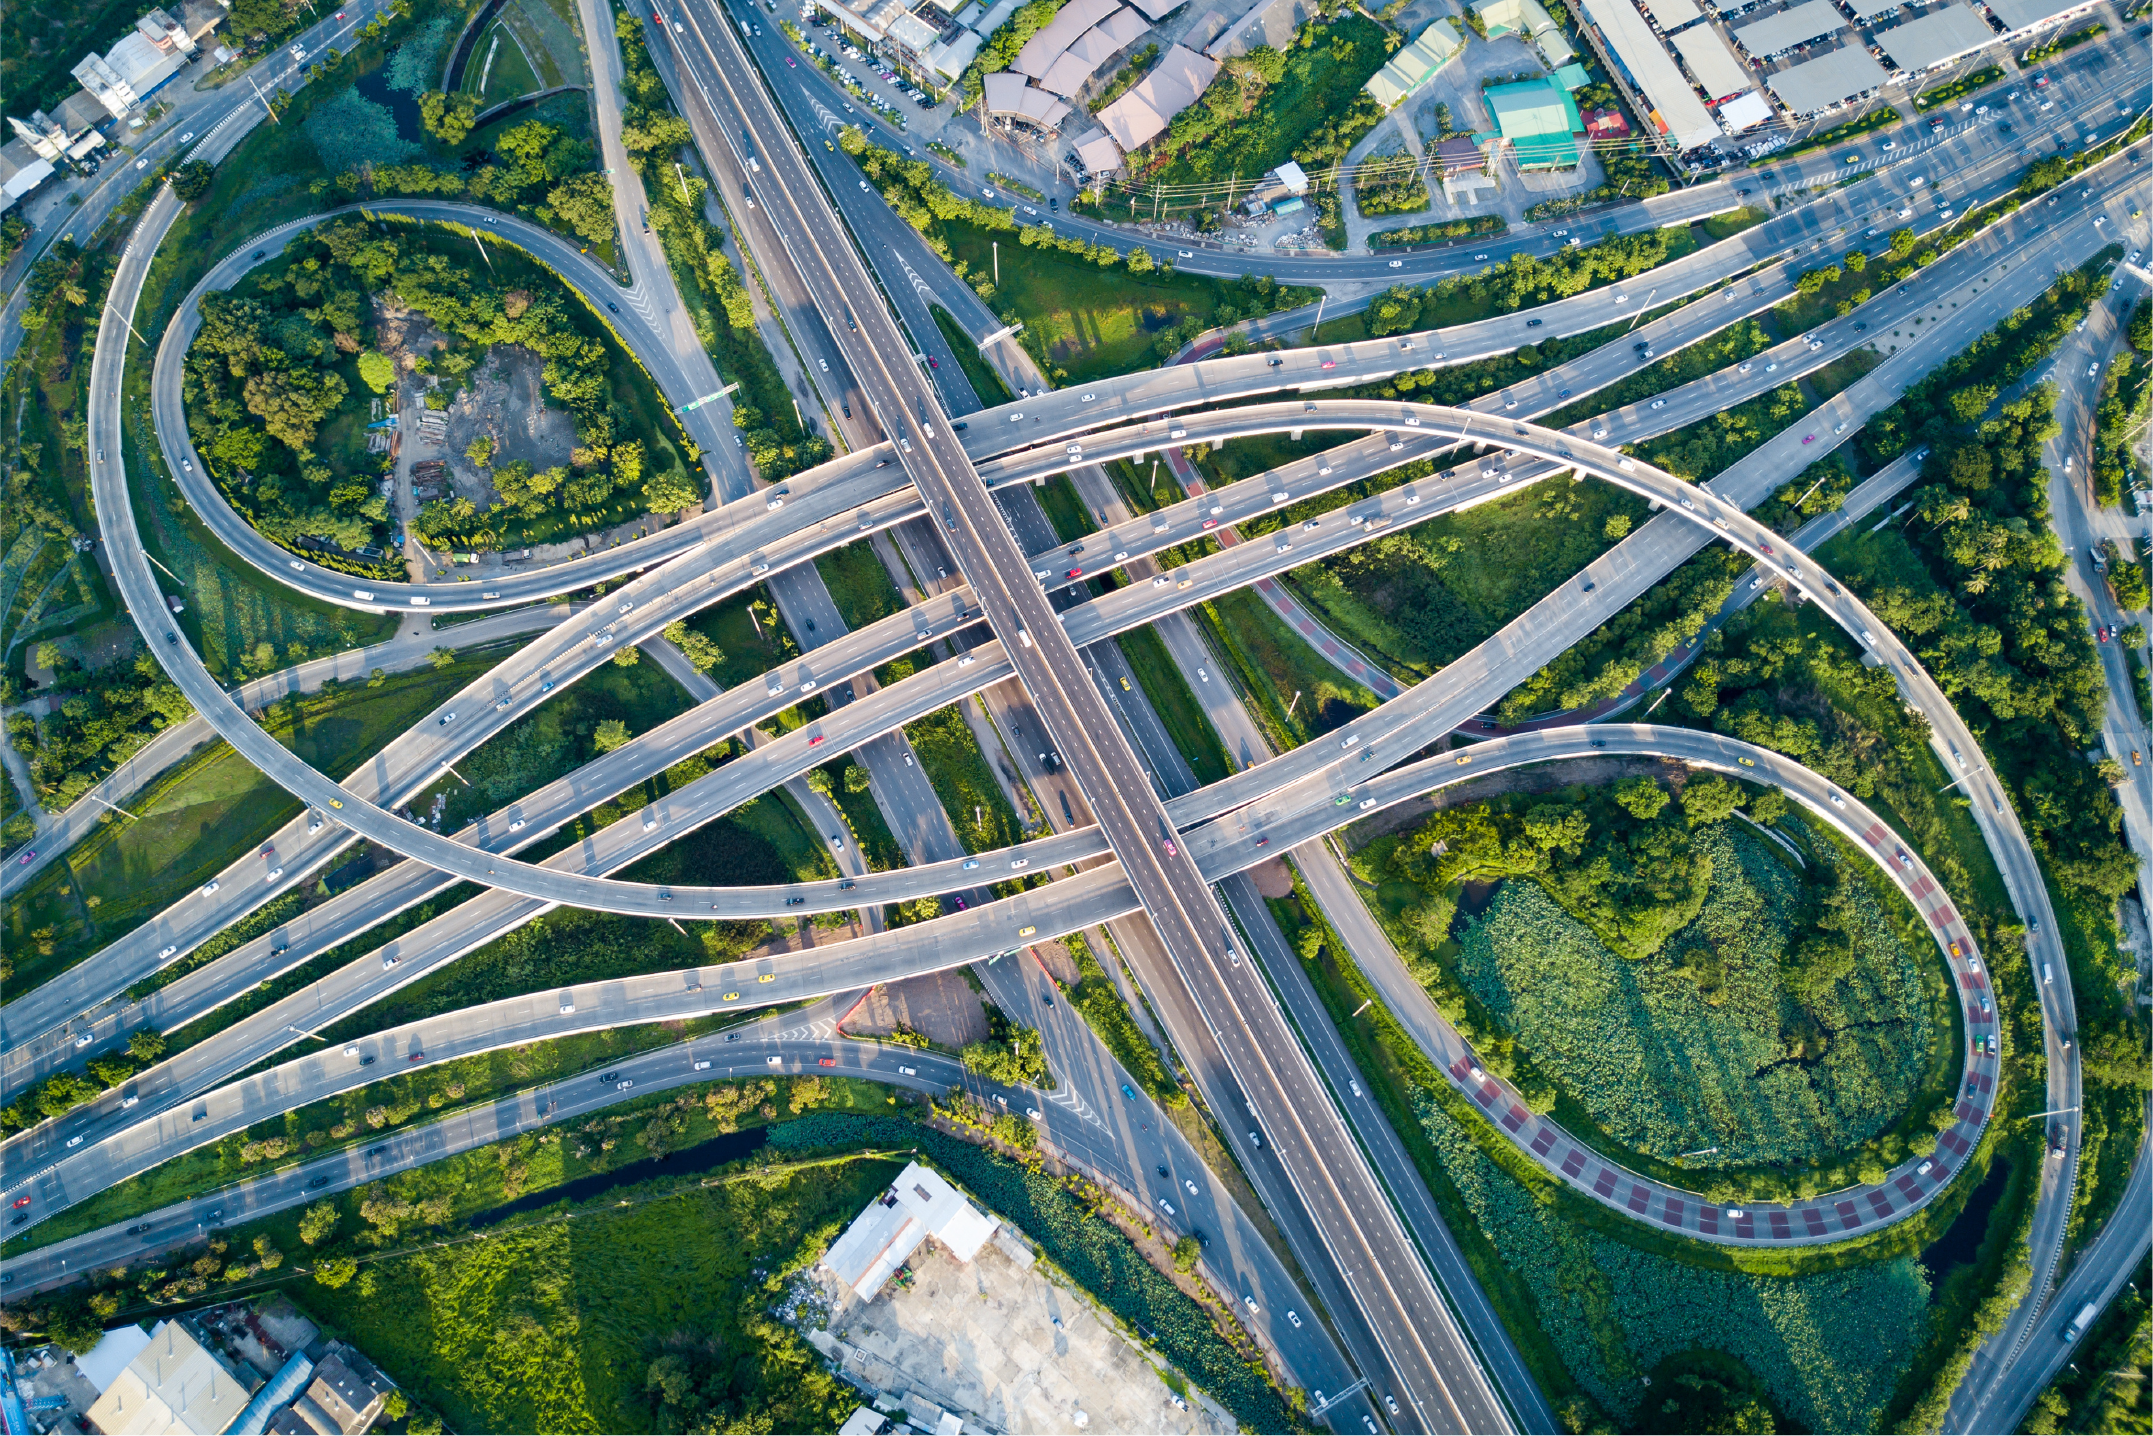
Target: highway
{"type": "Point", "coordinates": [1012, 602]}
{"type": "Point", "coordinates": [166, 1120]}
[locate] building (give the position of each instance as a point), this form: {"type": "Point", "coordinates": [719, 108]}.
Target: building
{"type": "Point", "coordinates": [1718, 71]}
{"type": "Point", "coordinates": [1798, 25]}
{"type": "Point", "coordinates": [344, 1398]}
{"type": "Point", "coordinates": [173, 1385]}
{"type": "Point", "coordinates": [1527, 20]}
{"type": "Point", "coordinates": [1831, 79]}
{"type": "Point", "coordinates": [1631, 47]}
{"type": "Point", "coordinates": [2023, 17]}
{"type": "Point", "coordinates": [1415, 64]}
{"type": "Point", "coordinates": [1007, 97]}
{"type": "Point", "coordinates": [1271, 23]}
{"type": "Point", "coordinates": [1937, 38]}
{"type": "Point", "coordinates": [1151, 104]}
{"type": "Point", "coordinates": [69, 132]}
{"type": "Point", "coordinates": [1539, 120]}
{"type": "Point", "coordinates": [919, 1204]}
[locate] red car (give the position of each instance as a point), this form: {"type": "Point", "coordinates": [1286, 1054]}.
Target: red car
{"type": "Point", "coordinates": [791, 63]}
{"type": "Point", "coordinates": [815, 742]}
{"type": "Point", "coordinates": [22, 1201]}
{"type": "Point", "coordinates": [933, 363]}
{"type": "Point", "coordinates": [825, 1061]}
{"type": "Point", "coordinates": [1076, 573]}
{"type": "Point", "coordinates": [418, 1057]}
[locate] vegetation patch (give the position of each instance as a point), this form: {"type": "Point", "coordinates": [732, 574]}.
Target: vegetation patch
{"type": "Point", "coordinates": [1738, 1037]}
{"type": "Point", "coordinates": [1479, 224]}
{"type": "Point", "coordinates": [978, 807]}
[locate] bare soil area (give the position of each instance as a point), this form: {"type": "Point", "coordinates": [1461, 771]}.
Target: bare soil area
{"type": "Point", "coordinates": [940, 1006]}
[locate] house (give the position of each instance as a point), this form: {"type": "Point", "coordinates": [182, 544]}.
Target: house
{"type": "Point", "coordinates": [919, 1204]}
{"type": "Point", "coordinates": [174, 1385]}
{"type": "Point", "coordinates": [1151, 104]}
{"type": "Point", "coordinates": [1540, 121]}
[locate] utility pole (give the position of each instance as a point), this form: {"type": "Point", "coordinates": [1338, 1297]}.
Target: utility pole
{"type": "Point", "coordinates": [263, 98]}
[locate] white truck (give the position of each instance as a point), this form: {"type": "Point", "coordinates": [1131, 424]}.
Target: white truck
{"type": "Point", "coordinates": [2080, 1322]}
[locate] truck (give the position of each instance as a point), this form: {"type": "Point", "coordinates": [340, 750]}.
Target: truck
{"type": "Point", "coordinates": [2080, 1322]}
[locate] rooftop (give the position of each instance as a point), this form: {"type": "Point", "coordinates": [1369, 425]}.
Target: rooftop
{"type": "Point", "coordinates": [1797, 25]}
{"type": "Point", "coordinates": [1825, 81]}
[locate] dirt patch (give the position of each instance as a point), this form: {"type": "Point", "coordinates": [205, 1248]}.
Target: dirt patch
{"type": "Point", "coordinates": [1059, 965]}
{"type": "Point", "coordinates": [940, 1006]}
{"type": "Point", "coordinates": [503, 401]}
{"type": "Point", "coordinates": [1273, 878]}
{"type": "Point", "coordinates": [404, 334]}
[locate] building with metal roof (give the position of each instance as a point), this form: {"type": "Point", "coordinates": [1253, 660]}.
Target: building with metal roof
{"type": "Point", "coordinates": [1540, 121]}
{"type": "Point", "coordinates": [1526, 19]}
{"type": "Point", "coordinates": [1827, 80]}
{"type": "Point", "coordinates": [1415, 64]}
{"type": "Point", "coordinates": [1797, 25]}
{"type": "Point", "coordinates": [2018, 17]}
{"type": "Point", "coordinates": [1937, 38]}
{"type": "Point", "coordinates": [1718, 70]}
{"type": "Point", "coordinates": [1151, 104]}
{"type": "Point", "coordinates": [1672, 106]}
{"type": "Point", "coordinates": [1672, 15]}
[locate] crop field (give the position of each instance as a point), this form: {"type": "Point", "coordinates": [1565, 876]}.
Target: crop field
{"type": "Point", "coordinates": [1830, 1347]}
{"type": "Point", "coordinates": [1664, 1068]}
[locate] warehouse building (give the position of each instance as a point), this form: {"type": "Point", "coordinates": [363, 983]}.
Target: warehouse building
{"type": "Point", "coordinates": [1540, 121]}
{"type": "Point", "coordinates": [1415, 64]}
{"type": "Point", "coordinates": [1816, 85]}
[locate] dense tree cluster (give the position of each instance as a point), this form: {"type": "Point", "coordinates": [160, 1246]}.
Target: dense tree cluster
{"type": "Point", "coordinates": [263, 377]}
{"type": "Point", "coordinates": [534, 168]}
{"type": "Point", "coordinates": [1622, 861]}
{"type": "Point", "coordinates": [105, 714]}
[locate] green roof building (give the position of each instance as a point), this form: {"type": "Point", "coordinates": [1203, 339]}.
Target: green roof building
{"type": "Point", "coordinates": [1540, 121]}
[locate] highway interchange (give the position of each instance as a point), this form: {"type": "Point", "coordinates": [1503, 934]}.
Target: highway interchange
{"type": "Point", "coordinates": [1016, 609]}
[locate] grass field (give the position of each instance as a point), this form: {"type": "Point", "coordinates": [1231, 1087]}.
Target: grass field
{"type": "Point", "coordinates": [985, 382]}
{"type": "Point", "coordinates": [200, 817]}
{"type": "Point", "coordinates": [859, 585]}
{"type": "Point", "coordinates": [553, 739]}
{"type": "Point", "coordinates": [1084, 321]}
{"type": "Point", "coordinates": [1275, 665]}
{"type": "Point", "coordinates": [1176, 706]}
{"type": "Point", "coordinates": [978, 807]}
{"type": "Point", "coordinates": [1417, 601]}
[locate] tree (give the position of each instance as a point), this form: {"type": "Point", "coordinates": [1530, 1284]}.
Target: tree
{"type": "Point", "coordinates": [318, 1222]}
{"type": "Point", "coordinates": [448, 117]}
{"type": "Point", "coordinates": [857, 778]}
{"type": "Point", "coordinates": [1709, 800]}
{"type": "Point", "coordinates": [584, 203]}
{"type": "Point", "coordinates": [1187, 1252]}
{"type": "Point", "coordinates": [74, 1329]}
{"type": "Point", "coordinates": [1641, 797]}
{"type": "Point", "coordinates": [442, 657]}
{"type": "Point", "coordinates": [819, 780]}
{"type": "Point", "coordinates": [627, 656]}
{"type": "Point", "coordinates": [668, 492]}
{"type": "Point", "coordinates": [337, 1271]}
{"type": "Point", "coordinates": [377, 370]}
{"type": "Point", "coordinates": [610, 734]}
{"type": "Point", "coordinates": [701, 653]}
{"type": "Point", "coordinates": [480, 451]}
{"type": "Point", "coordinates": [192, 180]}
{"type": "Point", "coordinates": [146, 1046]}
{"type": "Point", "coordinates": [265, 1252]}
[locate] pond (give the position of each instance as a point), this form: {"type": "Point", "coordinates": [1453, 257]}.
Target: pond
{"type": "Point", "coordinates": [1961, 1241]}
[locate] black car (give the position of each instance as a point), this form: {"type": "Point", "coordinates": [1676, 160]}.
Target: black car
{"type": "Point", "coordinates": [610, 1077]}
{"type": "Point", "coordinates": [318, 1183]}
{"type": "Point", "coordinates": [18, 1219]}
{"type": "Point", "coordinates": [377, 1151]}
{"type": "Point", "coordinates": [1046, 995]}
{"type": "Point", "coordinates": [612, 306]}
{"type": "Point", "coordinates": [367, 1060]}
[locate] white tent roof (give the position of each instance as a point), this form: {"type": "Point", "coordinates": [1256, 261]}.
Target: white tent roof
{"type": "Point", "coordinates": [2018, 15]}
{"type": "Point", "coordinates": [102, 1363]}
{"type": "Point", "coordinates": [1746, 111]}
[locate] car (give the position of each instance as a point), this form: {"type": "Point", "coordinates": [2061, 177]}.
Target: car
{"type": "Point", "coordinates": [22, 1202]}
{"type": "Point", "coordinates": [209, 888]}
{"type": "Point", "coordinates": [1130, 1093]}
{"type": "Point", "coordinates": [1532, 323]}
{"type": "Point", "coordinates": [1659, 403]}
{"type": "Point", "coordinates": [24, 860]}
{"type": "Point", "coordinates": [825, 1061]}
{"type": "Point", "coordinates": [1294, 1317]}
{"type": "Point", "coordinates": [1250, 1303]}
{"type": "Point", "coordinates": [1397, 264]}
{"type": "Point", "coordinates": [1026, 931]}
{"type": "Point", "coordinates": [1190, 1185]}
